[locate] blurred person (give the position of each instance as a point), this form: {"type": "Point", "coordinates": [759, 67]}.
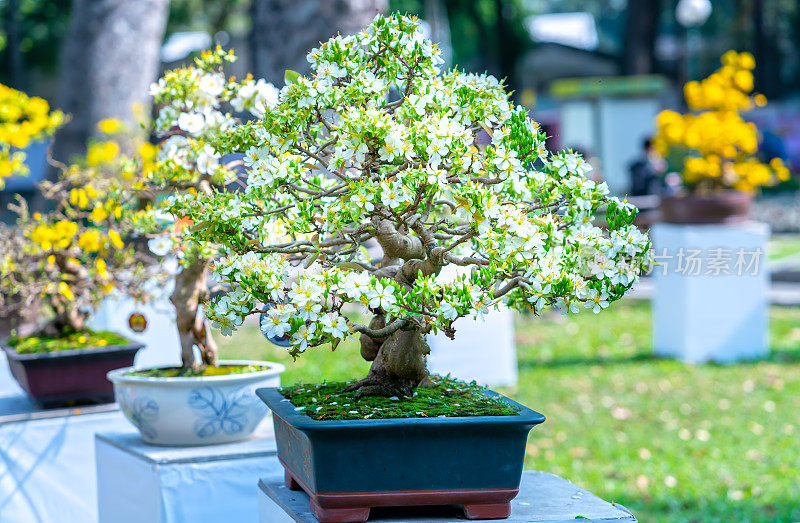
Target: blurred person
{"type": "Point", "coordinates": [647, 170]}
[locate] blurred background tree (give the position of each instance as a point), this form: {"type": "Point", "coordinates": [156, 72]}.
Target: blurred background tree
{"type": "Point", "coordinates": [93, 58]}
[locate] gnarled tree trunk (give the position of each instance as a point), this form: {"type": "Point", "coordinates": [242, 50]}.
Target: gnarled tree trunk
{"type": "Point", "coordinates": [398, 363]}
{"type": "Point", "coordinates": [190, 291]}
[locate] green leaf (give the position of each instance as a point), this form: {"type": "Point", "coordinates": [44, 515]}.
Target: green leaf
{"type": "Point", "coordinates": [290, 77]}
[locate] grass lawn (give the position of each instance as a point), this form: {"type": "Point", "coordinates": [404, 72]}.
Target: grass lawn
{"type": "Point", "coordinates": [672, 442]}
{"type": "Point", "coordinates": [783, 246]}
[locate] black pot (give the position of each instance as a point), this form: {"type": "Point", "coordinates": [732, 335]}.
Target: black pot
{"type": "Point", "coordinates": [73, 376]}
{"type": "Point", "coordinates": [347, 467]}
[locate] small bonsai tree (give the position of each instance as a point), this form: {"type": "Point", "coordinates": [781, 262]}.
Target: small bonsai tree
{"type": "Point", "coordinates": [714, 144]}
{"type": "Point", "coordinates": [72, 257]}
{"type": "Point", "coordinates": [194, 107]}
{"type": "Point", "coordinates": [379, 150]}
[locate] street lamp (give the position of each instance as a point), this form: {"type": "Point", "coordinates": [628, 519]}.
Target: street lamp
{"type": "Point", "coordinates": [691, 14]}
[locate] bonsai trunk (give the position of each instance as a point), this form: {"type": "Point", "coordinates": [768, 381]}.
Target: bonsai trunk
{"type": "Point", "coordinates": [398, 363]}
{"type": "Point", "coordinates": [190, 291]}
{"type": "Point", "coordinates": [67, 319]}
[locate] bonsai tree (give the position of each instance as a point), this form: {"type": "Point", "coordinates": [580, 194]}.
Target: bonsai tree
{"type": "Point", "coordinates": [194, 107]}
{"type": "Point", "coordinates": [22, 119]}
{"type": "Point", "coordinates": [70, 258]}
{"type": "Point", "coordinates": [714, 144]}
{"type": "Point", "coordinates": [378, 171]}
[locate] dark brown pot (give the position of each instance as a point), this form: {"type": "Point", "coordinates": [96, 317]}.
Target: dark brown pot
{"type": "Point", "coordinates": [70, 376]}
{"type": "Point", "coordinates": [723, 207]}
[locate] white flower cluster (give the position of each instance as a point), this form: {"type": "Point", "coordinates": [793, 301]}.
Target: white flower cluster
{"type": "Point", "coordinates": [380, 134]}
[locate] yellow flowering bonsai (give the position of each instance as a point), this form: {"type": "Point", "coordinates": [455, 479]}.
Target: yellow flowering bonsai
{"type": "Point", "coordinates": [70, 258]}
{"type": "Point", "coordinates": [23, 119]}
{"type": "Point", "coordinates": [716, 146]}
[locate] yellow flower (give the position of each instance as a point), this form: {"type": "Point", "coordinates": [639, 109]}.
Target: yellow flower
{"type": "Point", "coordinates": [81, 339]}
{"type": "Point", "coordinates": [102, 343]}
{"type": "Point", "coordinates": [65, 291]}
{"type": "Point", "coordinates": [100, 265]}
{"type": "Point", "coordinates": [109, 125]}
{"type": "Point", "coordinates": [99, 214]}
{"type": "Point", "coordinates": [721, 144]}
{"type": "Point", "coordinates": [90, 241]}
{"type": "Point", "coordinates": [79, 198]}
{"type": "Point", "coordinates": [148, 151]}
{"type": "Point", "coordinates": [51, 260]}
{"type": "Point", "coordinates": [116, 239]}
{"type": "Point", "coordinates": [101, 152]}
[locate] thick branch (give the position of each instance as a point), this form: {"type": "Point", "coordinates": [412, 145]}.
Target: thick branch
{"type": "Point", "coordinates": [389, 329]}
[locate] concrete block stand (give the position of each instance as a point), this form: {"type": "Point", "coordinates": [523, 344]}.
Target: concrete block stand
{"type": "Point", "coordinates": [710, 297]}
{"type": "Point", "coordinates": [137, 482]}
{"type": "Point", "coordinates": [543, 497]}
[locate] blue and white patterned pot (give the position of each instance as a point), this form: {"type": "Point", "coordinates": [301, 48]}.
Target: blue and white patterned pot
{"type": "Point", "coordinates": [195, 410]}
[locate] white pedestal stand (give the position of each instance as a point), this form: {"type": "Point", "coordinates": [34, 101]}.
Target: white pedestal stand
{"type": "Point", "coordinates": [137, 482]}
{"type": "Point", "coordinates": [710, 299]}
{"type": "Point", "coordinates": [483, 350]}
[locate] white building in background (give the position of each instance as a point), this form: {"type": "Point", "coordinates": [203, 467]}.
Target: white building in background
{"type": "Point", "coordinates": [609, 118]}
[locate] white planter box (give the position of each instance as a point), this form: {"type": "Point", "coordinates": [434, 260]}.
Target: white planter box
{"type": "Point", "coordinates": [710, 297]}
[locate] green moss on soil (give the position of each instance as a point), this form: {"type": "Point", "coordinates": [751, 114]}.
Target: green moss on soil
{"type": "Point", "coordinates": [74, 340]}
{"type": "Point", "coordinates": [178, 372]}
{"type": "Point", "coordinates": [448, 397]}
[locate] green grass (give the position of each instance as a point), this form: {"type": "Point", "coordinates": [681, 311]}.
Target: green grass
{"type": "Point", "coordinates": [446, 397]}
{"type": "Point", "coordinates": [672, 442]}
{"type": "Point", "coordinates": [74, 340]}
{"type": "Point", "coordinates": [783, 246]}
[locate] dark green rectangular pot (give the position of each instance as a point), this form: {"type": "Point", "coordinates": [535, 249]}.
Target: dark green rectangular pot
{"type": "Point", "coordinates": [348, 466]}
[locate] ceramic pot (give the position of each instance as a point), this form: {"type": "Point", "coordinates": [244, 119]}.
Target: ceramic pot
{"type": "Point", "coordinates": [348, 467]}
{"type": "Point", "coordinates": [195, 410]}
{"type": "Point", "coordinates": [722, 207]}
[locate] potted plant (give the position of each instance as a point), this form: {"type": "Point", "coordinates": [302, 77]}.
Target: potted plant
{"type": "Point", "coordinates": [55, 268]}
{"type": "Point", "coordinates": [205, 400]}
{"type": "Point", "coordinates": [716, 147]}
{"type": "Point", "coordinates": [366, 179]}
{"type": "Point", "coordinates": [25, 119]}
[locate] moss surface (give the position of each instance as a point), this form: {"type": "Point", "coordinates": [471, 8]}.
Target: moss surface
{"type": "Point", "coordinates": [448, 397]}
{"type": "Point", "coordinates": [178, 372]}
{"type": "Point", "coordinates": [74, 340]}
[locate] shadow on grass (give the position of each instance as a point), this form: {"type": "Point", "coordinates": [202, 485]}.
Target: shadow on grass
{"type": "Point", "coordinates": [783, 356]}
{"type": "Point", "coordinates": [588, 360]}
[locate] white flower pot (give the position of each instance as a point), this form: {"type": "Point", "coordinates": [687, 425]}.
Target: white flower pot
{"type": "Point", "coordinates": [195, 410]}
